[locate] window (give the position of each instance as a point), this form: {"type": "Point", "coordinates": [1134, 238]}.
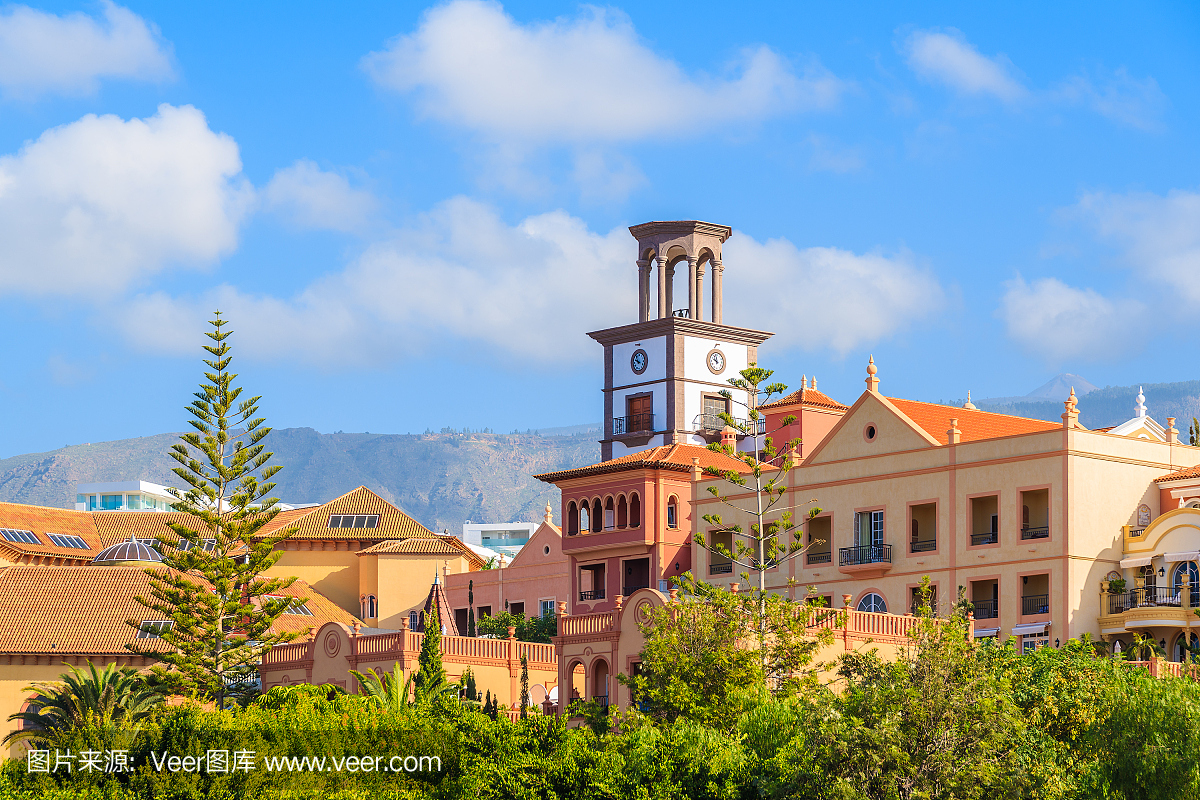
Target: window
{"type": "Point", "coordinates": [639, 415]}
{"type": "Point", "coordinates": [610, 515]}
{"type": "Point", "coordinates": [985, 520]}
{"type": "Point", "coordinates": [622, 512]}
{"type": "Point", "coordinates": [635, 511]}
{"type": "Point", "coordinates": [1184, 651]}
{"type": "Point", "coordinates": [721, 543]}
{"type": "Point", "coordinates": [413, 619]}
{"type": "Point", "coordinates": [873, 603]}
{"type": "Point", "coordinates": [65, 540]}
{"type": "Point", "coordinates": [301, 610]}
{"type": "Point", "coordinates": [868, 528]}
{"type": "Point", "coordinates": [354, 521]}
{"type": "Point", "coordinates": [591, 582]}
{"type": "Point", "coordinates": [207, 545]}
{"type": "Point", "coordinates": [672, 513]}
{"type": "Point", "coordinates": [572, 518]}
{"type": "Point", "coordinates": [153, 628]}
{"type": "Point", "coordinates": [517, 608]}
{"type": "Point", "coordinates": [372, 607]}
{"type": "Point", "coordinates": [1033, 641]}
{"type": "Point", "coordinates": [712, 409]}
{"type": "Point", "coordinates": [483, 611]}
{"type": "Point", "coordinates": [1193, 576]}
{"type": "Point", "coordinates": [14, 535]}
{"type": "Point", "coordinates": [547, 607]}
{"type": "Point", "coordinates": [112, 502]}
{"type": "Point", "coordinates": [584, 517]}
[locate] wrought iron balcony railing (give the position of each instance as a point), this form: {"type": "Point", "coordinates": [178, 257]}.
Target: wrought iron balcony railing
{"type": "Point", "coordinates": [1035, 533]}
{"type": "Point", "coordinates": [633, 423]}
{"type": "Point", "coordinates": [1035, 604]}
{"type": "Point", "coordinates": [865, 554]}
{"type": "Point", "coordinates": [591, 594]}
{"type": "Point", "coordinates": [1150, 597]}
{"type": "Point", "coordinates": [720, 569]}
{"type": "Point", "coordinates": [818, 558]}
{"type": "Point", "coordinates": [715, 423]}
{"type": "Point", "coordinates": [986, 609]}
{"type": "Point", "coordinates": [633, 587]}
{"type": "Point", "coordinates": [987, 537]}
{"type": "Point", "coordinates": [925, 546]}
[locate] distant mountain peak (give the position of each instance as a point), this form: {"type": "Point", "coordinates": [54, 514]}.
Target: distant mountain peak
{"type": "Point", "coordinates": [1060, 386]}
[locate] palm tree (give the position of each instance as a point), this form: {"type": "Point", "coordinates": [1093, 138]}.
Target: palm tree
{"type": "Point", "coordinates": [114, 697]}
{"type": "Point", "coordinates": [395, 696]}
{"type": "Point", "coordinates": [1142, 645]}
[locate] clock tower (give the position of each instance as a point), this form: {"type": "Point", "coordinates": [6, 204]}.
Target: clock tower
{"type": "Point", "coordinates": [663, 374]}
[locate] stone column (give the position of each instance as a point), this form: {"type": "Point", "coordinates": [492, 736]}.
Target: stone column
{"type": "Point", "coordinates": [662, 287]}
{"type": "Point", "coordinates": [643, 289]}
{"type": "Point", "coordinates": [717, 269]}
{"type": "Point", "coordinates": [670, 278]}
{"type": "Point", "coordinates": [691, 287]}
{"type": "Point", "coordinates": [699, 312]}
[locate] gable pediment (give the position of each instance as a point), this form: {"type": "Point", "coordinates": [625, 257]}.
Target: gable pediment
{"type": "Point", "coordinates": [894, 432]}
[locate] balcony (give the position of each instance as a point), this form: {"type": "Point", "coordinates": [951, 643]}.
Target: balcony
{"type": "Point", "coordinates": [720, 569]}
{"type": "Point", "coordinates": [986, 609]}
{"type": "Point", "coordinates": [1034, 604]}
{"type": "Point", "coordinates": [633, 424]}
{"type": "Point", "coordinates": [1035, 533]}
{"type": "Point", "coordinates": [714, 423]}
{"type": "Point", "coordinates": [591, 594]}
{"type": "Point", "coordinates": [988, 537]}
{"type": "Point", "coordinates": [633, 587]}
{"type": "Point", "coordinates": [818, 558]}
{"type": "Point", "coordinates": [924, 547]}
{"type": "Point", "coordinates": [865, 561]}
{"type": "Point", "coordinates": [1147, 608]}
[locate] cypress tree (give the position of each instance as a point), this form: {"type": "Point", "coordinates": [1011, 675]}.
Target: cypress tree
{"type": "Point", "coordinates": [470, 691]}
{"type": "Point", "coordinates": [430, 676]}
{"type": "Point", "coordinates": [471, 608]}
{"type": "Point", "coordinates": [213, 591]}
{"type": "Point", "coordinates": [524, 687]}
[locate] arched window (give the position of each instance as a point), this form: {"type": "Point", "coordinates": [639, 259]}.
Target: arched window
{"type": "Point", "coordinates": [874, 603]}
{"type": "Point", "coordinates": [622, 512]}
{"type": "Point", "coordinates": [584, 517]}
{"type": "Point", "coordinates": [672, 512]}
{"type": "Point", "coordinates": [1182, 653]}
{"type": "Point", "coordinates": [1186, 568]}
{"type": "Point", "coordinates": [635, 511]}
{"type": "Point", "coordinates": [372, 607]}
{"type": "Point", "coordinates": [597, 519]}
{"type": "Point", "coordinates": [362, 606]}
{"type": "Point", "coordinates": [610, 514]}
{"type": "Point", "coordinates": [572, 518]}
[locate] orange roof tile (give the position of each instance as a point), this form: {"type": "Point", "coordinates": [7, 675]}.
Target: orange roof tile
{"type": "Point", "coordinates": [672, 457]}
{"type": "Point", "coordinates": [83, 610]}
{"type": "Point", "coordinates": [805, 397]}
{"type": "Point", "coordinates": [41, 521]}
{"type": "Point", "coordinates": [313, 523]}
{"type": "Point", "coordinates": [1178, 475]}
{"type": "Point", "coordinates": [425, 546]}
{"type": "Point", "coordinates": [116, 526]}
{"type": "Point", "coordinates": [975, 425]}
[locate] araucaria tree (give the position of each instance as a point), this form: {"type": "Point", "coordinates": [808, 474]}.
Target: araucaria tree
{"type": "Point", "coordinates": [213, 590]}
{"type": "Point", "coordinates": [760, 480]}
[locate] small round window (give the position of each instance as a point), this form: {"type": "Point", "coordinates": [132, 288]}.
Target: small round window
{"type": "Point", "coordinates": [869, 433]}
{"type": "Point", "coordinates": [546, 550]}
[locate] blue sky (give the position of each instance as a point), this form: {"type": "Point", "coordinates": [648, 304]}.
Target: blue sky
{"type": "Point", "coordinates": [412, 215]}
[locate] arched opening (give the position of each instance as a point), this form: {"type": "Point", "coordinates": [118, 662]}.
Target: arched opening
{"type": "Point", "coordinates": [600, 681]}
{"type": "Point", "coordinates": [584, 517]}
{"type": "Point", "coordinates": [597, 517]}
{"type": "Point", "coordinates": [578, 682]}
{"type": "Point", "coordinates": [1187, 568]}
{"type": "Point", "coordinates": [874, 603]}
{"type": "Point", "coordinates": [672, 512]}
{"type": "Point", "coordinates": [372, 607]}
{"type": "Point", "coordinates": [610, 514]}
{"type": "Point", "coordinates": [679, 276]}
{"type": "Point", "coordinates": [622, 512]}
{"type": "Point", "coordinates": [572, 518]}
{"type": "Point", "coordinates": [1181, 652]}
{"type": "Point", "coordinates": [635, 511]}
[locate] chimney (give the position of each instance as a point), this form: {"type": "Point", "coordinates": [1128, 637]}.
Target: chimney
{"type": "Point", "coordinates": [697, 473]}
{"type": "Point", "coordinates": [729, 437]}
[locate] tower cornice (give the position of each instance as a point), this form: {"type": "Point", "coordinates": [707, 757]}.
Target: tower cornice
{"type": "Point", "coordinates": [679, 325]}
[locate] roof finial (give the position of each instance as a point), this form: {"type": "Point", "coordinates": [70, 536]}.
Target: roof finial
{"type": "Point", "coordinates": [872, 371]}
{"type": "Point", "coordinates": [1140, 408]}
{"type": "Point", "coordinates": [969, 405]}
{"type": "Point", "coordinates": [549, 515]}
{"type": "Point", "coordinates": [814, 383]}
{"type": "Point", "coordinates": [803, 381]}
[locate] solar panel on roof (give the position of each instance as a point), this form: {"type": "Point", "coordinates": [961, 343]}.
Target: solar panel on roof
{"type": "Point", "coordinates": [67, 540]}
{"type": "Point", "coordinates": [15, 535]}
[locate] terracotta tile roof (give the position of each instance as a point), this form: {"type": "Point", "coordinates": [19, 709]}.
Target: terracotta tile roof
{"type": "Point", "coordinates": [975, 425]}
{"type": "Point", "coordinates": [117, 526]}
{"type": "Point", "coordinates": [41, 521]}
{"type": "Point", "coordinates": [805, 397]}
{"type": "Point", "coordinates": [313, 523]}
{"type": "Point", "coordinates": [426, 546]}
{"type": "Point", "coordinates": [1178, 475]}
{"type": "Point", "coordinates": [83, 610]}
{"type": "Point", "coordinates": [671, 457]}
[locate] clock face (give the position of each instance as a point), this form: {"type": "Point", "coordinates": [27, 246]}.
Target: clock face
{"type": "Point", "coordinates": [716, 361]}
{"type": "Point", "coordinates": [639, 361]}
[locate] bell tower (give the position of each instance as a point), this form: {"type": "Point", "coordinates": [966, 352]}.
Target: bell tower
{"type": "Point", "coordinates": [662, 374]}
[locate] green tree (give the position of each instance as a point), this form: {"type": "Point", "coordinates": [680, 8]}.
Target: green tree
{"type": "Point", "coordinates": [470, 690]}
{"type": "Point", "coordinates": [1194, 433]}
{"type": "Point", "coordinates": [470, 608]}
{"type": "Point", "coordinates": [431, 676]}
{"type": "Point", "coordinates": [526, 629]}
{"type": "Point", "coordinates": [524, 687]}
{"type": "Point", "coordinates": [213, 591]}
{"type": "Point", "coordinates": [392, 690]}
{"type": "Point", "coordinates": [761, 475]}
{"type": "Point", "coordinates": [112, 697]}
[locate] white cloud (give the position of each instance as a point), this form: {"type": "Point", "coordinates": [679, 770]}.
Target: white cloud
{"type": "Point", "coordinates": [950, 59]}
{"type": "Point", "coordinates": [825, 297]}
{"type": "Point", "coordinates": [41, 52]}
{"type": "Point", "coordinates": [313, 198]}
{"type": "Point", "coordinates": [1118, 96]}
{"type": "Point", "coordinates": [1060, 322]}
{"type": "Point", "coordinates": [1160, 235]}
{"type": "Point", "coordinates": [92, 205]}
{"type": "Point", "coordinates": [461, 277]}
{"type": "Point", "coordinates": [578, 80]}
